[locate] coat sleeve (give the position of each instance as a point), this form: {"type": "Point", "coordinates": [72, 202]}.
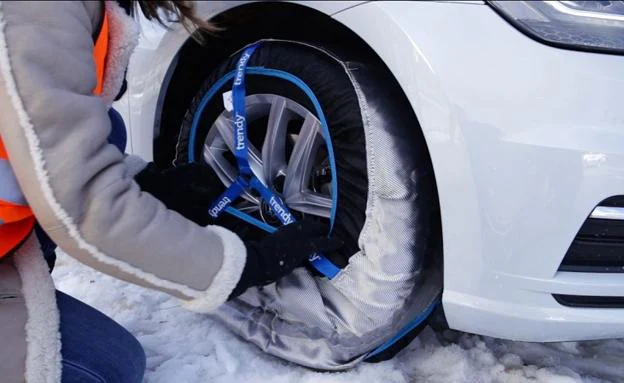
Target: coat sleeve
{"type": "Point", "coordinates": [55, 132]}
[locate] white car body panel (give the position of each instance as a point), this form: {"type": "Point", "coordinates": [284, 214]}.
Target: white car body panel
{"type": "Point", "coordinates": [525, 140]}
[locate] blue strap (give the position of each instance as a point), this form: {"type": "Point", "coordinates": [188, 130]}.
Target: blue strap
{"type": "Point", "coordinates": [240, 113]}
{"type": "Point", "coordinates": [324, 265]}
{"type": "Point", "coordinates": [246, 179]}
{"type": "Point", "coordinates": [250, 220]}
{"type": "Point", "coordinates": [275, 203]}
{"type": "Point", "coordinates": [239, 124]}
{"type": "Point", "coordinates": [406, 329]}
{"type": "Point", "coordinates": [227, 197]}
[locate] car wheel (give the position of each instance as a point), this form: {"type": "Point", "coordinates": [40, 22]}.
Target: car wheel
{"type": "Point", "coordinates": [338, 142]}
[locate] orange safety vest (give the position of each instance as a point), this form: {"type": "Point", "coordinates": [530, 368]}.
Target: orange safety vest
{"type": "Point", "coordinates": [16, 218]}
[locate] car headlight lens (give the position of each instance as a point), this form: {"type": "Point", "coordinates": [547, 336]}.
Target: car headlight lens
{"type": "Point", "coordinates": [585, 25]}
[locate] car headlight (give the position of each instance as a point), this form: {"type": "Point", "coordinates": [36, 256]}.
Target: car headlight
{"type": "Point", "coordinates": [585, 25]}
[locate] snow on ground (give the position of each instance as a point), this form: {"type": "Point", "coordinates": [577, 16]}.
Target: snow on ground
{"type": "Point", "coordinates": [185, 347]}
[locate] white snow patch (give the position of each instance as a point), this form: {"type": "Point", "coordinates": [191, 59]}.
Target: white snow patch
{"type": "Point", "coordinates": [186, 347]}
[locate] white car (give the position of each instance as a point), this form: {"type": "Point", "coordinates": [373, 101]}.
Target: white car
{"type": "Point", "coordinates": [478, 141]}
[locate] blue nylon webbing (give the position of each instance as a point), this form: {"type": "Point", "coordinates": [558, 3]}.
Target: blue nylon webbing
{"type": "Point", "coordinates": [246, 179]}
{"type": "Point", "coordinates": [406, 329]}
{"type": "Point", "coordinates": [240, 113]}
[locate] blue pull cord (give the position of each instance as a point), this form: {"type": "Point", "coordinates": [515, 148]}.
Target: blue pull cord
{"type": "Point", "coordinates": [247, 180]}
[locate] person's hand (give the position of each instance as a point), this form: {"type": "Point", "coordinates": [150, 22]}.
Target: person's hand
{"type": "Point", "coordinates": [189, 189]}
{"type": "Point", "coordinates": [280, 253]}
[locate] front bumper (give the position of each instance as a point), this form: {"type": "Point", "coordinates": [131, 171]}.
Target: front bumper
{"type": "Point", "coordinates": [526, 140]}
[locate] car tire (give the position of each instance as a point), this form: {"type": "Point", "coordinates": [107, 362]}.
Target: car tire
{"type": "Point", "coordinates": [386, 197]}
{"type": "Point", "coordinates": [341, 110]}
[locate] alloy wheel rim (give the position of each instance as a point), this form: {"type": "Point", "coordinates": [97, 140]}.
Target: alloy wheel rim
{"type": "Point", "coordinates": [289, 159]}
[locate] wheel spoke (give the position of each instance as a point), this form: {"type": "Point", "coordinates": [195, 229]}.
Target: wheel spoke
{"type": "Point", "coordinates": [249, 208]}
{"type": "Point", "coordinates": [274, 146]}
{"type": "Point", "coordinates": [310, 203]}
{"type": "Point", "coordinates": [224, 127]}
{"type": "Point", "coordinates": [224, 170]}
{"type": "Point", "coordinates": [301, 160]}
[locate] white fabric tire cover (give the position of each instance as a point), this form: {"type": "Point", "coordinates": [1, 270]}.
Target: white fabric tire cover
{"type": "Point", "coordinates": [333, 324]}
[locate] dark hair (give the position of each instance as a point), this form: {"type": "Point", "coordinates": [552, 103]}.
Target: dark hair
{"type": "Point", "coordinates": [176, 11]}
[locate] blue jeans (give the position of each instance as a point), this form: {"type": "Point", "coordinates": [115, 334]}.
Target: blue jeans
{"type": "Point", "coordinates": [118, 135]}
{"type": "Point", "coordinates": [95, 348]}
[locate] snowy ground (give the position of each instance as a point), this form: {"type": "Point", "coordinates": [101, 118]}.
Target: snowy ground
{"type": "Point", "coordinates": [184, 347]}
